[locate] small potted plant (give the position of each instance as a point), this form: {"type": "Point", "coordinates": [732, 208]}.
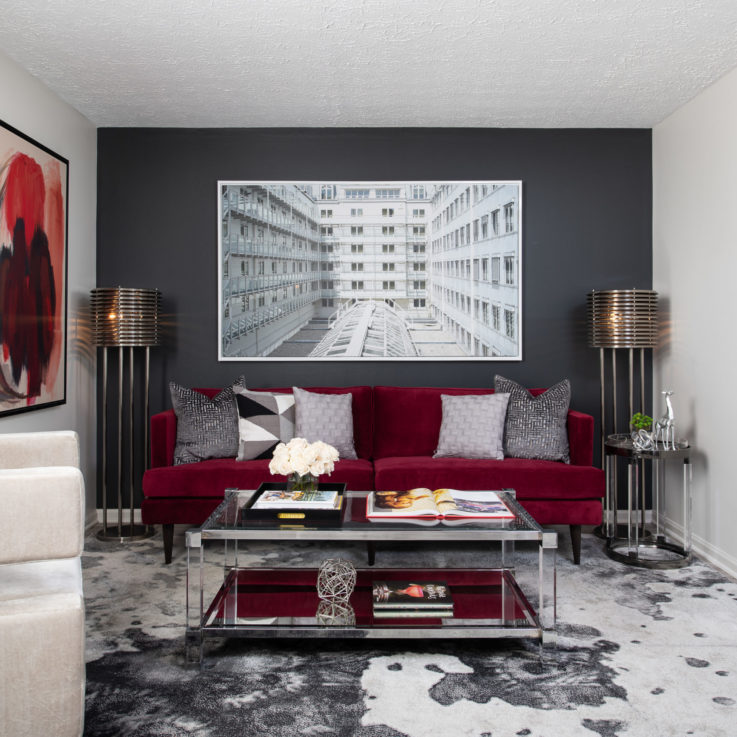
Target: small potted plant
{"type": "Point", "coordinates": [641, 421]}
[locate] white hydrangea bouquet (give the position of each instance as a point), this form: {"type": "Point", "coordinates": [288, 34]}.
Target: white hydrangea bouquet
{"type": "Point", "coordinates": [303, 462]}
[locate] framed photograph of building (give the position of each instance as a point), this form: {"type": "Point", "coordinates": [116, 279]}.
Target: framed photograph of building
{"type": "Point", "coordinates": [33, 273]}
{"type": "Point", "coordinates": [369, 270]}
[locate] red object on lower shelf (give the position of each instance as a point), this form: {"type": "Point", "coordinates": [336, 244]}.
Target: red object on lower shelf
{"type": "Point", "coordinates": [284, 592]}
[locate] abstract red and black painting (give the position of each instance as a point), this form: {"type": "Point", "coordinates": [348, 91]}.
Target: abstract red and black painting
{"type": "Point", "coordinates": [33, 265]}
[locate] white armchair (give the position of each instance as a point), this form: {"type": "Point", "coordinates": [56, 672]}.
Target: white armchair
{"type": "Point", "coordinates": [42, 676]}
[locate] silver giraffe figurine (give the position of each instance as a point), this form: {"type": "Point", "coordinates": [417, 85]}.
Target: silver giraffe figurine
{"type": "Point", "coordinates": [665, 431]}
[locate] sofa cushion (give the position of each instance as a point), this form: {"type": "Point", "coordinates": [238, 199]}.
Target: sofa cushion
{"type": "Point", "coordinates": [407, 420]}
{"type": "Point", "coordinates": [265, 419]}
{"type": "Point", "coordinates": [536, 425]}
{"type": "Point", "coordinates": [530, 479]}
{"type": "Point", "coordinates": [472, 427]}
{"type": "Point", "coordinates": [42, 680]}
{"type": "Point", "coordinates": [325, 417]}
{"type": "Point", "coordinates": [206, 427]}
{"type": "Point", "coordinates": [211, 478]}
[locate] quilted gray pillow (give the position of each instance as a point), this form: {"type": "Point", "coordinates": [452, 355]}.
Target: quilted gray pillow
{"type": "Point", "coordinates": [536, 426]}
{"type": "Point", "coordinates": [326, 417]}
{"type": "Point", "coordinates": [472, 426]}
{"type": "Point", "coordinates": [206, 428]}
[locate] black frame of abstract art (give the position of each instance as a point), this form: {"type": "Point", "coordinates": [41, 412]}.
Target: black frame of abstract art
{"type": "Point", "coordinates": [369, 270]}
{"type": "Point", "coordinates": [34, 187]}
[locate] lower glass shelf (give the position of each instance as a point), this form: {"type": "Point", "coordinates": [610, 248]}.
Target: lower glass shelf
{"type": "Point", "coordinates": [276, 601]}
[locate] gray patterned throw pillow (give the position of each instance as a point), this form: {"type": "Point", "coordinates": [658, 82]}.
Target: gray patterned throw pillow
{"type": "Point", "coordinates": [472, 426]}
{"type": "Point", "coordinates": [536, 426]}
{"type": "Point", "coordinates": [206, 428]}
{"type": "Point", "coordinates": [326, 417]}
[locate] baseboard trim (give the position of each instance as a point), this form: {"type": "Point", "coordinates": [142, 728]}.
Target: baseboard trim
{"type": "Point", "coordinates": [726, 563]}
{"type": "Point", "coordinates": [713, 555]}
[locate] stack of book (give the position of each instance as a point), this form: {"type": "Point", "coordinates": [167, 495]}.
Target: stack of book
{"type": "Point", "coordinates": [273, 501]}
{"type": "Point", "coordinates": [411, 599]}
{"type": "Point", "coordinates": [283, 499]}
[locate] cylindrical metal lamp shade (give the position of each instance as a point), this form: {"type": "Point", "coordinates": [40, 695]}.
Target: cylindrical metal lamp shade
{"type": "Point", "coordinates": [623, 318]}
{"type": "Point", "coordinates": [125, 317]}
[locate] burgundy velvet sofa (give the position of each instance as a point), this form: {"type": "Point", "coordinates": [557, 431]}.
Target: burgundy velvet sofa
{"type": "Point", "coordinates": [395, 432]}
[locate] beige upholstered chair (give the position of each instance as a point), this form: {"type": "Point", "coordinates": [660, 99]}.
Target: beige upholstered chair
{"type": "Point", "coordinates": [42, 677]}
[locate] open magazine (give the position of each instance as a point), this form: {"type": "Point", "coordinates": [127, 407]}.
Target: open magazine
{"type": "Point", "coordinates": [439, 505]}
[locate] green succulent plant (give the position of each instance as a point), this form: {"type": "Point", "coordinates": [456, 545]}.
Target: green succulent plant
{"type": "Point", "coordinates": [641, 421]}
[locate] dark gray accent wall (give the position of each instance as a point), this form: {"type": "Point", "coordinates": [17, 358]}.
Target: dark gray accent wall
{"type": "Point", "coordinates": [587, 217]}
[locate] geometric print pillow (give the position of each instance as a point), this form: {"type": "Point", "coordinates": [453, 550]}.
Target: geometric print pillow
{"type": "Point", "coordinates": [536, 426]}
{"type": "Point", "coordinates": [472, 426]}
{"type": "Point", "coordinates": [206, 428]}
{"type": "Point", "coordinates": [264, 421]}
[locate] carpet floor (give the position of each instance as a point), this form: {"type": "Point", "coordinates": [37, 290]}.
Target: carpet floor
{"type": "Point", "coordinates": [641, 653]}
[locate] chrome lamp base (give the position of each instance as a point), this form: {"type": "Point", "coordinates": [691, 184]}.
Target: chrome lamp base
{"type": "Point", "coordinates": [125, 533]}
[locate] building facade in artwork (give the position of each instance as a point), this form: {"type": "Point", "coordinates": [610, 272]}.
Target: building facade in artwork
{"type": "Point", "coordinates": [369, 269]}
{"type": "Point", "coordinates": [271, 265]}
{"type": "Point", "coordinates": [377, 234]}
{"type": "Point", "coordinates": [474, 266]}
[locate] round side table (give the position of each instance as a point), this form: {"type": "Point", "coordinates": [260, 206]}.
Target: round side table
{"type": "Point", "coordinates": [643, 547]}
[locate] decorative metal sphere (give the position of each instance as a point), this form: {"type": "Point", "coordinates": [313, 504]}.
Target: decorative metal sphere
{"type": "Point", "coordinates": [336, 579]}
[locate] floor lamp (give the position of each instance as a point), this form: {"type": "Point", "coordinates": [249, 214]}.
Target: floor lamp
{"type": "Point", "coordinates": [126, 320]}
{"type": "Point", "coordinates": [621, 321]}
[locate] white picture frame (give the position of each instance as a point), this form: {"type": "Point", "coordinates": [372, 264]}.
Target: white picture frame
{"type": "Point", "coordinates": [369, 270]}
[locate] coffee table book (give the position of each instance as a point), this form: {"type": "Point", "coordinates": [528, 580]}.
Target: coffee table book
{"type": "Point", "coordinates": [425, 595]}
{"type": "Point", "coordinates": [427, 506]}
{"type": "Point", "coordinates": [412, 613]}
{"type": "Point", "coordinates": [289, 509]}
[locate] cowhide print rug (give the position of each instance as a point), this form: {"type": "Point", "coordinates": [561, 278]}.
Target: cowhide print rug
{"type": "Point", "coordinates": [641, 653]}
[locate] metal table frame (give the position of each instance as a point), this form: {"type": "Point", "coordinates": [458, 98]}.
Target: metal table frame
{"type": "Point", "coordinates": [226, 525]}
{"type": "Point", "coordinates": [640, 546]}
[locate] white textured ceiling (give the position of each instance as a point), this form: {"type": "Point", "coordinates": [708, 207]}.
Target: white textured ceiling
{"type": "Point", "coordinates": [509, 63]}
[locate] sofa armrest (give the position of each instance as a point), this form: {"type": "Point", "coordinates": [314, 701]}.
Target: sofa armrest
{"type": "Point", "coordinates": [34, 449]}
{"type": "Point", "coordinates": [163, 438]}
{"type": "Point", "coordinates": [43, 513]}
{"type": "Point", "coordinates": [581, 438]}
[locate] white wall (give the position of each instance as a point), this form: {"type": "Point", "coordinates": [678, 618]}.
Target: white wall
{"type": "Point", "coordinates": [695, 269]}
{"type": "Point", "coordinates": [29, 106]}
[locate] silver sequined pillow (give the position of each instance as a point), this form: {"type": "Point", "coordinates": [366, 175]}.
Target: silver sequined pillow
{"type": "Point", "coordinates": [206, 428]}
{"type": "Point", "coordinates": [472, 426]}
{"type": "Point", "coordinates": [326, 417]}
{"type": "Point", "coordinates": [536, 427]}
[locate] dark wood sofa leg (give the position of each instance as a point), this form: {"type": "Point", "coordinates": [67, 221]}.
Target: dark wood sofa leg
{"type": "Point", "coordinates": [371, 550]}
{"type": "Point", "coordinates": [168, 533]}
{"type": "Point", "coordinates": [576, 543]}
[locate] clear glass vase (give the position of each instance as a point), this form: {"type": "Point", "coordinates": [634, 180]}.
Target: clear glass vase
{"type": "Point", "coordinates": [308, 482]}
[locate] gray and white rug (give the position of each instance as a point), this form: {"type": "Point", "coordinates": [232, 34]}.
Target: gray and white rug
{"type": "Point", "coordinates": [641, 653]}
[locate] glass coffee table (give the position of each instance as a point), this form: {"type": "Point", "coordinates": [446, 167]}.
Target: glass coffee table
{"type": "Point", "coordinates": [229, 597]}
